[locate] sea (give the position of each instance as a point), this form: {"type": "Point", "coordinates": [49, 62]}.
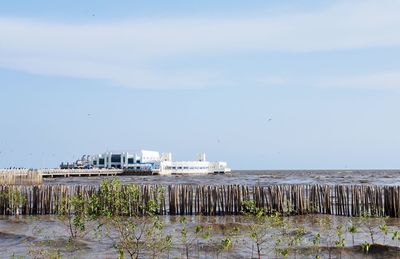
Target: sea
{"type": "Point", "coordinates": [255, 177]}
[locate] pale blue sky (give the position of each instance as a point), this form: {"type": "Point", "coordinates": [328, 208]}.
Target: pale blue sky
{"type": "Point", "coordinates": [201, 76]}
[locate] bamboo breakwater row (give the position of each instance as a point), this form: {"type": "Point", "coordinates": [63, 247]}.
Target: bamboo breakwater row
{"type": "Point", "coordinates": [20, 177]}
{"type": "Point", "coordinates": [344, 200]}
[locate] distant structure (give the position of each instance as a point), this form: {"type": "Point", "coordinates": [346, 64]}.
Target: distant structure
{"type": "Point", "coordinates": [146, 160]}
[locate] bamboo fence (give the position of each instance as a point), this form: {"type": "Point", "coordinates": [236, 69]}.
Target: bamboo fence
{"type": "Point", "coordinates": [20, 177]}
{"type": "Point", "coordinates": [343, 200]}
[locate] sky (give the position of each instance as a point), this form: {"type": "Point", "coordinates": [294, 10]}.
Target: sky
{"type": "Point", "coordinates": [259, 84]}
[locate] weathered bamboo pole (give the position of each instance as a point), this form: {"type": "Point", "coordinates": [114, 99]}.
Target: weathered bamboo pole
{"type": "Point", "coordinates": [349, 200]}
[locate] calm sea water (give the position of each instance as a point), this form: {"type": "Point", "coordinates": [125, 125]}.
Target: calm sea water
{"type": "Point", "coordinates": [261, 177]}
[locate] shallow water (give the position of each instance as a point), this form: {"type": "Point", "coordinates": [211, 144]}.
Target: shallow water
{"type": "Point", "coordinates": [27, 236]}
{"type": "Point", "coordinates": [265, 177]}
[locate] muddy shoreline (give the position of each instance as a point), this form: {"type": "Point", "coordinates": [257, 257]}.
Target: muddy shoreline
{"type": "Point", "coordinates": [26, 236]}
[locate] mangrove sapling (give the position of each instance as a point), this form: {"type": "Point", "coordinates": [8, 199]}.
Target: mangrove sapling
{"type": "Point", "coordinates": [296, 238]}
{"type": "Point", "coordinates": [280, 236]}
{"type": "Point", "coordinates": [227, 243]}
{"type": "Point", "coordinates": [266, 228]}
{"type": "Point", "coordinates": [286, 238]}
{"type": "Point", "coordinates": [224, 244]}
{"type": "Point", "coordinates": [316, 241]}
{"type": "Point", "coordinates": [189, 239]}
{"type": "Point", "coordinates": [73, 212]}
{"type": "Point", "coordinates": [340, 239]}
{"type": "Point", "coordinates": [396, 236]}
{"type": "Point", "coordinates": [111, 207]}
{"type": "Point", "coordinates": [234, 234]}
{"type": "Point", "coordinates": [15, 200]}
{"type": "Point", "coordinates": [139, 230]}
{"type": "Point", "coordinates": [141, 235]}
{"type": "Point", "coordinates": [352, 230]}
{"type": "Point", "coordinates": [365, 246]}
{"type": "Point", "coordinates": [111, 201]}
{"type": "Point", "coordinates": [249, 208]}
{"type": "Point", "coordinates": [384, 229]}
{"type": "Point", "coordinates": [367, 222]}
{"type": "Point", "coordinates": [329, 234]}
{"type": "Point", "coordinates": [339, 232]}
{"type": "Point", "coordinates": [259, 228]}
{"type": "Point", "coordinates": [371, 219]}
{"type": "Point", "coordinates": [130, 235]}
{"type": "Point", "coordinates": [157, 241]}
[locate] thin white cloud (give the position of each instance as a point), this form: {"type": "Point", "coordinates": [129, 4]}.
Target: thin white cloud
{"type": "Point", "coordinates": [389, 80]}
{"type": "Point", "coordinates": [126, 52]}
{"type": "Point", "coordinates": [385, 80]}
{"type": "Point", "coordinates": [126, 75]}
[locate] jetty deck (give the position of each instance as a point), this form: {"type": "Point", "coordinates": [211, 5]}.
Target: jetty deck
{"type": "Point", "coordinates": [52, 173]}
{"type": "Point", "coordinates": [35, 176]}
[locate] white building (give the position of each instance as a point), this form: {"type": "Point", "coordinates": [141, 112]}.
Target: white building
{"type": "Point", "coordinates": [123, 159]}
{"type": "Point", "coordinates": [146, 160]}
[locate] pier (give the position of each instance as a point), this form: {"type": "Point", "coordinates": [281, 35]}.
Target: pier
{"type": "Point", "coordinates": [52, 173]}
{"type": "Point", "coordinates": [35, 176]}
{"type": "Point", "coordinates": [343, 200]}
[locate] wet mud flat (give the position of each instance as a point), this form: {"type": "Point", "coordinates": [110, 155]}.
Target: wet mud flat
{"type": "Point", "coordinates": [42, 236]}
{"type": "Point", "coordinates": [253, 177]}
